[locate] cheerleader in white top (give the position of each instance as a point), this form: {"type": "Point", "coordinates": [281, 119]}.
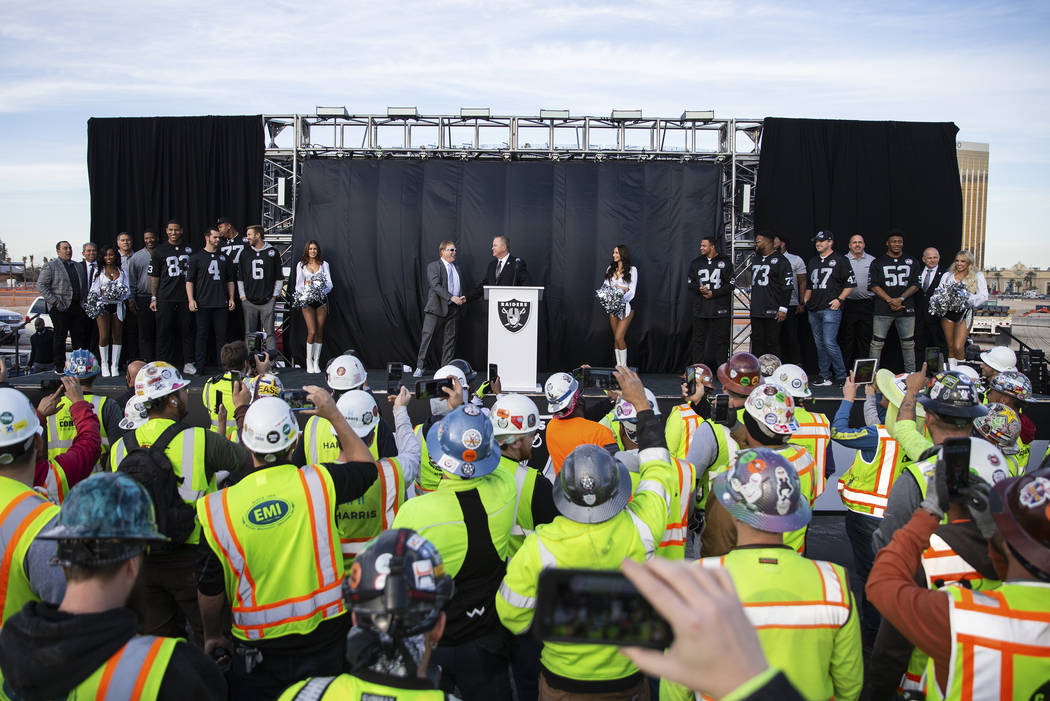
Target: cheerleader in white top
{"type": "Point", "coordinates": [624, 276]}
{"type": "Point", "coordinates": [313, 282]}
{"type": "Point", "coordinates": [111, 291]}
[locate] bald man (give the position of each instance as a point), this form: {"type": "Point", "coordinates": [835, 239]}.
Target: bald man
{"type": "Point", "coordinates": [928, 328]}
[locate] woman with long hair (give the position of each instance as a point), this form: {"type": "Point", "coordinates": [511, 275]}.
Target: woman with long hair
{"type": "Point", "coordinates": [624, 276]}
{"type": "Point", "coordinates": [315, 309]}
{"type": "Point", "coordinates": [111, 285]}
{"type": "Point", "coordinates": [956, 325]}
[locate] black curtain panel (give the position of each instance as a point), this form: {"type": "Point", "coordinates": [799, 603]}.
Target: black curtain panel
{"type": "Point", "coordinates": [144, 171]}
{"type": "Point", "coordinates": [379, 224]}
{"type": "Point", "coordinates": [860, 177]}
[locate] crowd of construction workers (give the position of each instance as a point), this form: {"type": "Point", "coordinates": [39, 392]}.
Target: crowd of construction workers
{"type": "Point", "coordinates": [325, 551]}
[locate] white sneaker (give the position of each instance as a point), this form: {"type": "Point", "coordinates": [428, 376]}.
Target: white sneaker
{"type": "Point", "coordinates": [418, 372]}
{"type": "Point", "coordinates": [189, 369]}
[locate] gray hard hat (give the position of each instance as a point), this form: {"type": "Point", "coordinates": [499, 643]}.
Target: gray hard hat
{"type": "Point", "coordinates": [592, 486]}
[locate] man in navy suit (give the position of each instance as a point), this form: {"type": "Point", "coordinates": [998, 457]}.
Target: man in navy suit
{"type": "Point", "coordinates": [504, 269]}
{"type": "Point", "coordinates": [444, 298]}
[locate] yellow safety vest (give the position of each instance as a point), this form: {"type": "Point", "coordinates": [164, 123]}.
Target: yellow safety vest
{"type": "Point", "coordinates": [24, 515]}
{"type": "Point", "coordinates": [672, 545]}
{"type": "Point", "coordinates": [61, 430]}
{"type": "Point", "coordinates": [56, 486]}
{"type": "Point", "coordinates": [321, 445]}
{"type": "Point", "coordinates": [682, 421]}
{"type": "Point", "coordinates": [275, 534]}
{"type": "Point", "coordinates": [135, 671]}
{"type": "Point", "coordinates": [865, 487]}
{"type": "Point", "coordinates": [813, 434]}
{"type": "Point", "coordinates": [808, 479]}
{"type": "Point", "coordinates": [1001, 643]}
{"type": "Point", "coordinates": [224, 383]}
{"type": "Point", "coordinates": [185, 449]}
{"type": "Point", "coordinates": [613, 425]}
{"type": "Point", "coordinates": [363, 519]}
{"type": "Point", "coordinates": [941, 567]}
{"type": "Point", "coordinates": [430, 475]}
{"type": "Point", "coordinates": [346, 686]}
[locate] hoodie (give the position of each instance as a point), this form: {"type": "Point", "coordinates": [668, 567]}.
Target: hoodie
{"type": "Point", "coordinates": [46, 653]}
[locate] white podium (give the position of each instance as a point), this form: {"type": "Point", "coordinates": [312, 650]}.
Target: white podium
{"type": "Point", "coordinates": [514, 334]}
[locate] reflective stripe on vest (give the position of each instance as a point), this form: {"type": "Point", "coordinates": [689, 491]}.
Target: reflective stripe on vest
{"type": "Point", "coordinates": [125, 674]}
{"type": "Point", "coordinates": [252, 619]}
{"type": "Point", "coordinates": [547, 558]}
{"type": "Point", "coordinates": [60, 439]}
{"type": "Point", "coordinates": [832, 612]}
{"type": "Point", "coordinates": [678, 523]}
{"type": "Point", "coordinates": [690, 422]}
{"type": "Point", "coordinates": [997, 645]}
{"type": "Point", "coordinates": [390, 488]}
{"type": "Point", "coordinates": [19, 515]}
{"type": "Point", "coordinates": [186, 463]}
{"type": "Point", "coordinates": [942, 565]}
{"type": "Point", "coordinates": [860, 495]}
{"type": "Point", "coordinates": [816, 428]}
{"type": "Point", "coordinates": [55, 483]}
{"type": "Point", "coordinates": [648, 542]}
{"type": "Point", "coordinates": [520, 474]}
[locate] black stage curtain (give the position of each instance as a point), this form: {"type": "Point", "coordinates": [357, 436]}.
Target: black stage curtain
{"type": "Point", "coordinates": [144, 171]}
{"type": "Point", "coordinates": [860, 177]}
{"type": "Point", "coordinates": [379, 224]}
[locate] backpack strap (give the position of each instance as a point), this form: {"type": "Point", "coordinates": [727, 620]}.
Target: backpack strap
{"type": "Point", "coordinates": [131, 441]}
{"type": "Point", "coordinates": [168, 435]}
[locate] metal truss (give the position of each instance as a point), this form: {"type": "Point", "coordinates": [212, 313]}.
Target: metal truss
{"type": "Point", "coordinates": [554, 135]}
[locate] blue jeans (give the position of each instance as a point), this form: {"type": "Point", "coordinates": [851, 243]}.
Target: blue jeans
{"type": "Point", "coordinates": [825, 324]}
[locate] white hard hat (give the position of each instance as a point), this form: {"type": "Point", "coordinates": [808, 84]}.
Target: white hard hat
{"type": "Point", "coordinates": [135, 414]}
{"type": "Point", "coordinates": [269, 426]}
{"type": "Point", "coordinates": [346, 372]}
{"type": "Point", "coordinates": [514, 415]}
{"type": "Point", "coordinates": [451, 371]}
{"type": "Point", "coordinates": [158, 379]}
{"type": "Point", "coordinates": [1000, 358]}
{"type": "Point", "coordinates": [793, 379]}
{"type": "Point", "coordinates": [625, 411]}
{"type": "Point", "coordinates": [560, 389]}
{"type": "Point", "coordinates": [967, 370]}
{"type": "Point", "coordinates": [18, 422]}
{"type": "Point", "coordinates": [360, 411]}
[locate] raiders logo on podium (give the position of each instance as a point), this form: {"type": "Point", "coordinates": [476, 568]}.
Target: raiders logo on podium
{"type": "Point", "coordinates": [514, 314]}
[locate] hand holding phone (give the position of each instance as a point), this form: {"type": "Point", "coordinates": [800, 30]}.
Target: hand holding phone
{"type": "Point", "coordinates": [864, 370]}
{"type": "Point", "coordinates": [394, 374]}
{"type": "Point", "coordinates": [955, 453]}
{"type": "Point", "coordinates": [720, 409]}
{"type": "Point", "coordinates": [431, 389]}
{"type": "Point", "coordinates": [298, 399]}
{"type": "Point", "coordinates": [596, 607]}
{"type": "Point", "coordinates": [934, 361]}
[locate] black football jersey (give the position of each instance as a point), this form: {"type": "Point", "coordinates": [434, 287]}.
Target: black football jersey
{"type": "Point", "coordinates": [169, 264]}
{"type": "Point", "coordinates": [717, 275]}
{"type": "Point", "coordinates": [209, 273]}
{"type": "Point", "coordinates": [770, 284]}
{"type": "Point", "coordinates": [894, 276]}
{"type": "Point", "coordinates": [828, 277]}
{"type": "Point", "coordinates": [259, 270]}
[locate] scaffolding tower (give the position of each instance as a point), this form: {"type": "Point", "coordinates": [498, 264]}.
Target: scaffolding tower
{"type": "Point", "coordinates": [554, 135]}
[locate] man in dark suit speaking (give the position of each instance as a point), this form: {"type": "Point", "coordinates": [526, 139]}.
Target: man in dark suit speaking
{"type": "Point", "coordinates": [444, 298]}
{"type": "Point", "coordinates": [504, 269]}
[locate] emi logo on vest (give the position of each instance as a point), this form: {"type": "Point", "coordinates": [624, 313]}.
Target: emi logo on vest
{"type": "Point", "coordinates": [514, 314]}
{"type": "Point", "coordinates": [267, 513]}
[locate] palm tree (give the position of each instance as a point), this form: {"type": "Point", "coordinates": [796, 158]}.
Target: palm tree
{"type": "Point", "coordinates": [1029, 280]}
{"type": "Point", "coordinates": [998, 281]}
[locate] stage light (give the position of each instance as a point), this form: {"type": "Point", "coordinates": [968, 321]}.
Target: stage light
{"type": "Point", "coordinates": [626, 114]}
{"type": "Point", "coordinates": [327, 112]}
{"type": "Point", "coordinates": [554, 114]}
{"type": "Point", "coordinates": [474, 112]}
{"type": "Point", "coordinates": [698, 115]}
{"type": "Point", "coordinates": [402, 112]}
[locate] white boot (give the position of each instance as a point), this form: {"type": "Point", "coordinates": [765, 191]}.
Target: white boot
{"type": "Point", "coordinates": [317, 358]}
{"type": "Point", "coordinates": [103, 360]}
{"type": "Point", "coordinates": [311, 358]}
{"type": "Point", "coordinates": [623, 357]}
{"type": "Point", "coordinates": [114, 360]}
{"type": "Point", "coordinates": [617, 352]}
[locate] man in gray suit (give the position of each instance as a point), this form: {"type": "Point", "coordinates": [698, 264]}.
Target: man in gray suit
{"type": "Point", "coordinates": [444, 299]}
{"type": "Point", "coordinates": [63, 285]}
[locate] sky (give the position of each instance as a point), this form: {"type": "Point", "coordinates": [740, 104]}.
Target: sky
{"type": "Point", "coordinates": [984, 66]}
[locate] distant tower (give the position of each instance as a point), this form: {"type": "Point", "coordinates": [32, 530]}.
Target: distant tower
{"type": "Point", "coordinates": [973, 178]}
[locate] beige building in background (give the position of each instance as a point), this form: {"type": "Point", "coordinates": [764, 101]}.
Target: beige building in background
{"type": "Point", "coordinates": [973, 177]}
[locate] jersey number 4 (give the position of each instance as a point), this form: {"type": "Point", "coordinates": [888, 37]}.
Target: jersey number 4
{"type": "Point", "coordinates": [819, 277]}
{"type": "Point", "coordinates": [711, 278]}
{"type": "Point", "coordinates": [213, 268]}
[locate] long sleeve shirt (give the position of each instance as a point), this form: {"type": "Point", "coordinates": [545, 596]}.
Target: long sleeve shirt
{"type": "Point", "coordinates": [920, 614]}
{"type": "Point", "coordinates": [78, 461]}
{"type": "Point", "coordinates": [865, 439]}
{"type": "Point", "coordinates": [409, 448]}
{"type": "Point", "coordinates": [138, 272]}
{"type": "Point", "coordinates": [914, 442]}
